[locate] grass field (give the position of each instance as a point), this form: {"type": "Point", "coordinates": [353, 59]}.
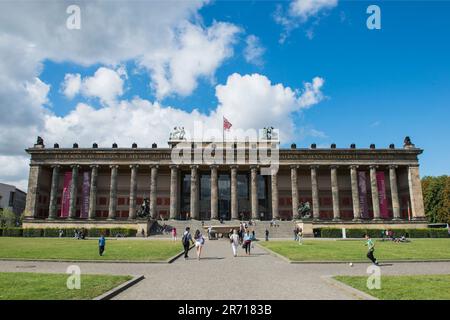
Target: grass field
{"type": "Point", "coordinates": [44, 286]}
{"type": "Point", "coordinates": [72, 249]}
{"type": "Point", "coordinates": [418, 287]}
{"type": "Point", "coordinates": [355, 250]}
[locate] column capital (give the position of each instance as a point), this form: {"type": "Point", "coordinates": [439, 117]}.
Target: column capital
{"type": "Point", "coordinates": [393, 166]}
{"type": "Point", "coordinates": [154, 166]}
{"type": "Point", "coordinates": [134, 166]}
{"type": "Point", "coordinates": [94, 166]}
{"type": "Point", "coordinates": [174, 166]}
{"type": "Point", "coordinates": [234, 166]}
{"type": "Point", "coordinates": [254, 166]}
{"type": "Point", "coordinates": [74, 166]}
{"type": "Point", "coordinates": [314, 166]}
{"type": "Point", "coordinates": [373, 166]}
{"type": "Point", "coordinates": [415, 165]}
{"type": "Point", "coordinates": [194, 166]}
{"type": "Point", "coordinates": [294, 166]}
{"type": "Point", "coordinates": [334, 166]}
{"type": "Point", "coordinates": [55, 166]}
{"type": "Point", "coordinates": [353, 166]}
{"type": "Point", "coordinates": [213, 166]}
{"type": "Point", "coordinates": [112, 166]}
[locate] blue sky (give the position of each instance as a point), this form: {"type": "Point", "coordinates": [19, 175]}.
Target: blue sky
{"type": "Point", "coordinates": [380, 85]}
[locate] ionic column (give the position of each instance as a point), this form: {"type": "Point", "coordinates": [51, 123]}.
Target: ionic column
{"type": "Point", "coordinates": [173, 191]}
{"type": "Point", "coordinates": [254, 192]}
{"type": "Point", "coordinates": [33, 191]}
{"type": "Point", "coordinates": [194, 192]}
{"type": "Point", "coordinates": [133, 191]}
{"type": "Point", "coordinates": [335, 193]}
{"type": "Point", "coordinates": [113, 193]}
{"type": "Point", "coordinates": [93, 192]}
{"type": "Point", "coordinates": [394, 192]}
{"type": "Point", "coordinates": [294, 188]}
{"type": "Point", "coordinates": [415, 193]}
{"type": "Point", "coordinates": [214, 193]}
{"type": "Point", "coordinates": [53, 193]}
{"type": "Point", "coordinates": [153, 188]}
{"type": "Point", "coordinates": [73, 192]}
{"type": "Point", "coordinates": [234, 198]}
{"type": "Point", "coordinates": [274, 188]}
{"type": "Point", "coordinates": [374, 190]}
{"type": "Point", "coordinates": [355, 193]}
{"type": "Point", "coordinates": [315, 193]}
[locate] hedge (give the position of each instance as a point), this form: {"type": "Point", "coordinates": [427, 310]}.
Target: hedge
{"type": "Point", "coordinates": [33, 232]}
{"type": "Point", "coordinates": [12, 232]}
{"type": "Point", "coordinates": [97, 232]}
{"type": "Point", "coordinates": [122, 232]}
{"type": "Point", "coordinates": [377, 233]}
{"type": "Point", "coordinates": [67, 232]}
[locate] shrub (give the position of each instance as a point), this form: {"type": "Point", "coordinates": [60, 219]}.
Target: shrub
{"type": "Point", "coordinates": [97, 232]}
{"type": "Point", "coordinates": [124, 232]}
{"type": "Point", "coordinates": [1, 232]}
{"type": "Point", "coordinates": [69, 232]}
{"type": "Point", "coordinates": [12, 232]}
{"type": "Point", "coordinates": [418, 233]}
{"type": "Point", "coordinates": [52, 232]}
{"type": "Point", "coordinates": [438, 233]}
{"type": "Point", "coordinates": [355, 233]}
{"type": "Point", "coordinates": [331, 233]}
{"type": "Point", "coordinates": [33, 232]}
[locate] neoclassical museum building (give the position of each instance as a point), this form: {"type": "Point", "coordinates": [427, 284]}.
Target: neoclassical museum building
{"type": "Point", "coordinates": [97, 186]}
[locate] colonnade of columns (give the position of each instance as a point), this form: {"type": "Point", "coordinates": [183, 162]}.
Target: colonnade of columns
{"type": "Point", "coordinates": [413, 181]}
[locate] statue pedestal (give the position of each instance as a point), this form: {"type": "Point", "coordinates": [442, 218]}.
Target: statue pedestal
{"type": "Point", "coordinates": [307, 228]}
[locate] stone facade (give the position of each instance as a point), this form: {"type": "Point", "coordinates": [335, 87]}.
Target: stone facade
{"type": "Point", "coordinates": [119, 179]}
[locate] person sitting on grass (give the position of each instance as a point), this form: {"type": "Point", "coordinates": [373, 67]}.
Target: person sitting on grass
{"type": "Point", "coordinates": [101, 245]}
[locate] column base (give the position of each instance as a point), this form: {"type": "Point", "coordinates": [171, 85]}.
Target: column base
{"type": "Point", "coordinates": [336, 219]}
{"type": "Point", "coordinates": [111, 219]}
{"type": "Point", "coordinates": [397, 219]}
{"type": "Point", "coordinates": [356, 220]}
{"type": "Point", "coordinates": [51, 218]}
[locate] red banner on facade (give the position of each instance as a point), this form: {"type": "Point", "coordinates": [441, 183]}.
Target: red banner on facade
{"type": "Point", "coordinates": [85, 195]}
{"type": "Point", "coordinates": [65, 199]}
{"type": "Point", "coordinates": [362, 188]}
{"type": "Point", "coordinates": [384, 213]}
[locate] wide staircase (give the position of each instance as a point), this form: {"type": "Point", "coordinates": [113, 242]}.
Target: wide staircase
{"type": "Point", "coordinates": [283, 229]}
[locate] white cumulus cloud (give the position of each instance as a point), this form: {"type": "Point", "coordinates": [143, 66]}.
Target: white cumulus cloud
{"type": "Point", "coordinates": [254, 51]}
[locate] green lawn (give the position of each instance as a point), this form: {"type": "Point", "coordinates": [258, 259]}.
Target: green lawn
{"type": "Point", "coordinates": [355, 250]}
{"type": "Point", "coordinates": [45, 286]}
{"type": "Point", "coordinates": [418, 287]}
{"type": "Point", "coordinates": [72, 249]}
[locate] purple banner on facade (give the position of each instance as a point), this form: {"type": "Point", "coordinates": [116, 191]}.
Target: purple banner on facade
{"type": "Point", "coordinates": [362, 188]}
{"type": "Point", "coordinates": [384, 213]}
{"type": "Point", "coordinates": [65, 199]}
{"type": "Point", "coordinates": [85, 195]}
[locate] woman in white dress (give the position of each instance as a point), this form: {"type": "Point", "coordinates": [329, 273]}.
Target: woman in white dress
{"type": "Point", "coordinates": [199, 242]}
{"type": "Point", "coordinates": [234, 240]}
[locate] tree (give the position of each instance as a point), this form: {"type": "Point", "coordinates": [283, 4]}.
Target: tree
{"type": "Point", "coordinates": [7, 218]}
{"type": "Point", "coordinates": [436, 197]}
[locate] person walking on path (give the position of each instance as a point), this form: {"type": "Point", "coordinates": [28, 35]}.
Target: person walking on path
{"type": "Point", "coordinates": [174, 234]}
{"type": "Point", "coordinates": [234, 240]}
{"type": "Point", "coordinates": [267, 234]}
{"type": "Point", "coordinates": [199, 242]}
{"type": "Point", "coordinates": [296, 234]}
{"type": "Point", "coordinates": [370, 249]}
{"type": "Point", "coordinates": [247, 242]}
{"type": "Point", "coordinates": [186, 240]}
{"type": "Point", "coordinates": [101, 245]}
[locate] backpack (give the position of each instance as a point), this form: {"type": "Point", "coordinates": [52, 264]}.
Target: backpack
{"type": "Point", "coordinates": [185, 239]}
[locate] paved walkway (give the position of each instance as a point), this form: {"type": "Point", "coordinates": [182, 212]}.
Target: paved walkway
{"type": "Point", "coordinates": [218, 275]}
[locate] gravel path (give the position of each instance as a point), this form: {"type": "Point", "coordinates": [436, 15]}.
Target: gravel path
{"type": "Point", "coordinates": [218, 275]}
